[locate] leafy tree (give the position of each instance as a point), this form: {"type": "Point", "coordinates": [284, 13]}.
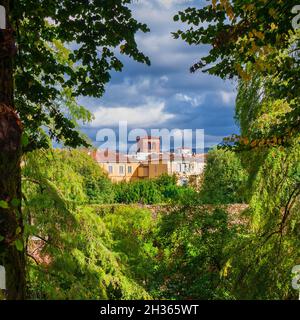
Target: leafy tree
{"type": "Point", "coordinates": [166, 180]}
{"type": "Point", "coordinates": [182, 251]}
{"type": "Point", "coordinates": [257, 44]}
{"type": "Point", "coordinates": [224, 178]}
{"type": "Point", "coordinates": [50, 53]}
{"type": "Point", "coordinates": [143, 191]}
{"type": "Point", "coordinates": [270, 249]}
{"type": "Point", "coordinates": [195, 251]}
{"type": "Point", "coordinates": [132, 230]}
{"type": "Point", "coordinates": [77, 250]}
{"type": "Point", "coordinates": [163, 189]}
{"type": "Point", "coordinates": [73, 254]}
{"type": "Point", "coordinates": [248, 39]}
{"type": "Point", "coordinates": [74, 172]}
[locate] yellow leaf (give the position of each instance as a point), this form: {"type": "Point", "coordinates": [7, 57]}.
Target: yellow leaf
{"type": "Point", "coordinates": [259, 34]}
{"type": "Point", "coordinates": [224, 272]}
{"type": "Point", "coordinates": [249, 7]}
{"type": "Point", "coordinates": [273, 26]}
{"type": "Point", "coordinates": [122, 48]}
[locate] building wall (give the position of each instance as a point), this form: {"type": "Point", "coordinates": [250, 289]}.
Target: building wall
{"type": "Point", "coordinates": [157, 169]}
{"type": "Point", "coordinates": [138, 171]}
{"type": "Point", "coordinates": [149, 145]}
{"type": "Point", "coordinates": [187, 168]}
{"type": "Point", "coordinates": [143, 172]}
{"type": "Point", "coordinates": [129, 171]}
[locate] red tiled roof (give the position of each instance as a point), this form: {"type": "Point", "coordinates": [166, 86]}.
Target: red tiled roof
{"type": "Point", "coordinates": [103, 156]}
{"type": "Point", "coordinates": [149, 138]}
{"type": "Point", "coordinates": [108, 156]}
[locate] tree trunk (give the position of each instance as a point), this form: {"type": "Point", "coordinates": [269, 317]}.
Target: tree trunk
{"type": "Point", "coordinates": [11, 225]}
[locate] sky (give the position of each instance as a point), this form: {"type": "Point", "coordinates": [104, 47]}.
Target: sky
{"type": "Point", "coordinates": [166, 94]}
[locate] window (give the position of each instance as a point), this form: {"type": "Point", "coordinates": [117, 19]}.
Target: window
{"type": "Point", "coordinates": [130, 169]}
{"type": "Point", "coordinates": [110, 169]}
{"type": "Point", "coordinates": [121, 170]}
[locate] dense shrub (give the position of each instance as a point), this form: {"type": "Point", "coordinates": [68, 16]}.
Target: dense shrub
{"type": "Point", "coordinates": [181, 251]}
{"type": "Point", "coordinates": [224, 178]}
{"type": "Point", "coordinates": [74, 172]}
{"type": "Point", "coordinates": [163, 189]}
{"type": "Point", "coordinates": [75, 254]}
{"type": "Point", "coordinates": [195, 250]}
{"type": "Point", "coordinates": [144, 192]}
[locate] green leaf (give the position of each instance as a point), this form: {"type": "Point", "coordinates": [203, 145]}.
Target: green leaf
{"type": "Point", "coordinates": [24, 140]}
{"type": "Point", "coordinates": [3, 204]}
{"type": "Point", "coordinates": [1, 238]}
{"type": "Point", "coordinates": [18, 230]}
{"type": "Point", "coordinates": [19, 245]}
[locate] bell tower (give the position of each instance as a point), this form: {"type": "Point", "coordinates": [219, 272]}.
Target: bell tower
{"type": "Point", "coordinates": [148, 145]}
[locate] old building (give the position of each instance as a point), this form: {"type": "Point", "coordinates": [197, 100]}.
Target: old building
{"type": "Point", "coordinates": [149, 162]}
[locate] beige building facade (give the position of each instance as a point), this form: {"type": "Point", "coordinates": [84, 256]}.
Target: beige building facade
{"type": "Point", "coordinates": [149, 163]}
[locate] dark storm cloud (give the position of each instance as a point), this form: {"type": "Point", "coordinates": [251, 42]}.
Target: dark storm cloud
{"type": "Point", "coordinates": [165, 95]}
